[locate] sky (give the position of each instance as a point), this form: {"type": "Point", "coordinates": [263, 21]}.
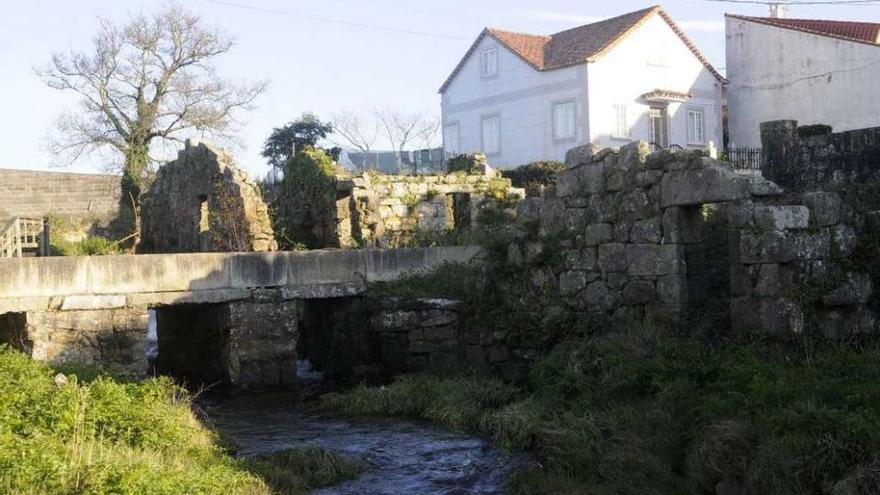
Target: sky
{"type": "Point", "coordinates": [312, 65]}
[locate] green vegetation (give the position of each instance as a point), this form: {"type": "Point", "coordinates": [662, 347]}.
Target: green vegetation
{"type": "Point", "coordinates": [535, 174]}
{"type": "Point", "coordinates": [294, 471]}
{"type": "Point", "coordinates": [68, 238]}
{"type": "Point", "coordinates": [101, 436]}
{"type": "Point", "coordinates": [649, 413]}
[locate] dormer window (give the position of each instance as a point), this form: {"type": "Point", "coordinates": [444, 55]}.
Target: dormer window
{"type": "Point", "coordinates": [489, 62]}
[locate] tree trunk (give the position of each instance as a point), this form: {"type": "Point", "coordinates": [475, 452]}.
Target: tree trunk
{"type": "Point", "coordinates": [136, 159]}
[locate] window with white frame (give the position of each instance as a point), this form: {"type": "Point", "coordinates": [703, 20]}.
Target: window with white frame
{"type": "Point", "coordinates": [621, 123]}
{"type": "Point", "coordinates": [491, 135]}
{"type": "Point", "coordinates": [452, 139]}
{"type": "Point", "coordinates": [489, 62]}
{"type": "Point", "coordinates": [563, 120]}
{"type": "Point", "coordinates": [696, 120]}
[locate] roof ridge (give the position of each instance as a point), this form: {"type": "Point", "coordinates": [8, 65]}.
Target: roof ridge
{"type": "Point", "coordinates": [633, 13]}
{"type": "Point", "coordinates": [519, 33]}
{"type": "Point", "coordinates": [783, 19]}
{"type": "Point", "coordinates": [772, 21]}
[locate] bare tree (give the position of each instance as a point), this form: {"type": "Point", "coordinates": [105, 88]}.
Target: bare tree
{"type": "Point", "coordinates": [402, 129]}
{"type": "Point", "coordinates": [143, 83]}
{"type": "Point", "coordinates": [355, 132]}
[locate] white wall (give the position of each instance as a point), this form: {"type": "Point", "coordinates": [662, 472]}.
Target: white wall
{"type": "Point", "coordinates": [778, 73]}
{"type": "Point", "coordinates": [653, 57]}
{"type": "Point", "coordinates": [523, 98]}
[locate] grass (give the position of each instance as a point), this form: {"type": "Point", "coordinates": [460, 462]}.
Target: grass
{"type": "Point", "coordinates": [104, 436]}
{"type": "Point", "coordinates": [648, 413]}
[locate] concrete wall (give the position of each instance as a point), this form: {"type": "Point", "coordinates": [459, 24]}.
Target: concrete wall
{"type": "Point", "coordinates": [653, 57]}
{"type": "Point", "coordinates": [778, 73]}
{"type": "Point", "coordinates": [523, 99]}
{"type": "Point", "coordinates": [79, 196]}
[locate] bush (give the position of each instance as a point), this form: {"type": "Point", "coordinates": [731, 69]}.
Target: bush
{"type": "Point", "coordinates": [294, 471]}
{"type": "Point", "coordinates": [535, 174]}
{"type": "Point", "coordinates": [90, 246]}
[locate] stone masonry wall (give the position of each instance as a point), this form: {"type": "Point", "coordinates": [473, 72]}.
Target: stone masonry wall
{"type": "Point", "coordinates": [813, 158]}
{"type": "Point", "coordinates": [203, 202]}
{"type": "Point", "coordinates": [77, 196]}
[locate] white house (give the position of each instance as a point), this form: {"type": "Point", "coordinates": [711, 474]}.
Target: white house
{"type": "Point", "coordinates": [521, 97]}
{"type": "Point", "coordinates": [812, 71]}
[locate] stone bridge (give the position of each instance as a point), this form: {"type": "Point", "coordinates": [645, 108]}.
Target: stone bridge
{"type": "Point", "coordinates": [228, 317]}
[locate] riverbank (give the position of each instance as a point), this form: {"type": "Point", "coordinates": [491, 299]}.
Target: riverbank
{"type": "Point", "coordinates": [646, 413]}
{"type": "Point", "coordinates": [80, 433]}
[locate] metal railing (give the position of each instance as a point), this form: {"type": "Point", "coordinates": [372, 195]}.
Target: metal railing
{"type": "Point", "coordinates": [24, 235]}
{"type": "Point", "coordinates": [745, 158]}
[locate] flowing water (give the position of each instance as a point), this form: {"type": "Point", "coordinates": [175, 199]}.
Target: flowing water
{"type": "Point", "coordinates": [402, 457]}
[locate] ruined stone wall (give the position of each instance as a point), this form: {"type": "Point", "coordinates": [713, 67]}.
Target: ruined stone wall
{"type": "Point", "coordinates": [429, 335]}
{"type": "Point", "coordinates": [386, 210]}
{"type": "Point", "coordinates": [813, 158]}
{"type": "Point", "coordinates": [203, 202]}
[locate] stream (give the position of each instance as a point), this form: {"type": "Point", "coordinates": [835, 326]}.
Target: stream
{"type": "Point", "coordinates": [402, 457]}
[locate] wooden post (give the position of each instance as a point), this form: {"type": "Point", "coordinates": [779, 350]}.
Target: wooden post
{"type": "Point", "coordinates": [17, 233]}
{"type": "Point", "coordinates": [44, 238]}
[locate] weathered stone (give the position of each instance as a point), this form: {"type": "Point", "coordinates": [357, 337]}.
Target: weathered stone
{"type": "Point", "coordinates": [856, 288]}
{"type": "Point", "coordinates": [621, 231]}
{"type": "Point", "coordinates": [581, 179]}
{"type": "Point", "coordinates": [581, 155]}
{"type": "Point", "coordinates": [701, 186]}
{"type": "Point", "coordinates": [612, 258]}
{"type": "Point", "coordinates": [597, 233]}
{"type": "Point", "coordinates": [570, 283]}
{"type": "Point", "coordinates": [534, 251]}
{"type": "Point", "coordinates": [769, 283]}
{"type": "Point", "coordinates": [498, 354]}
{"type": "Point", "coordinates": [514, 255]}
{"type": "Point", "coordinates": [581, 259]}
{"type": "Point", "coordinates": [638, 292]}
{"type": "Point", "coordinates": [203, 202]}
{"type": "Point", "coordinates": [811, 246]}
{"type": "Point", "coordinates": [759, 248]}
{"type": "Point", "coordinates": [672, 289]}
{"type": "Point", "coordinates": [843, 240]}
{"type": "Point", "coordinates": [761, 187]}
{"type": "Point", "coordinates": [438, 317]}
{"type": "Point", "coordinates": [635, 205]}
{"type": "Point", "coordinates": [616, 281]}
{"type": "Point", "coordinates": [824, 207]}
{"type": "Point", "coordinates": [782, 217]}
{"type": "Point", "coordinates": [646, 231]}
{"type": "Point", "coordinates": [440, 334]}
{"type": "Point", "coordinates": [92, 302]}
{"type": "Point", "coordinates": [597, 297]}
{"type": "Point", "coordinates": [654, 259]}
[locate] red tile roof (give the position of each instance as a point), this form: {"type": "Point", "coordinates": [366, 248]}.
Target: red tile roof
{"type": "Point", "coordinates": [864, 32]}
{"type": "Point", "coordinates": [579, 45]}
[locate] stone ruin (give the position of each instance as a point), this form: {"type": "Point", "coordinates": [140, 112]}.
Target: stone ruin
{"type": "Point", "coordinates": [373, 210]}
{"type": "Point", "coordinates": [667, 236]}
{"type": "Point", "coordinates": [202, 202]}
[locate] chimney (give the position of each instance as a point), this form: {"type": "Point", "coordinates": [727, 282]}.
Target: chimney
{"type": "Point", "coordinates": [778, 10]}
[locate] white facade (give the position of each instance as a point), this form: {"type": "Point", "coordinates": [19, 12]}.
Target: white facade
{"type": "Point", "coordinates": [543, 114]}
{"type": "Point", "coordinates": [779, 73]}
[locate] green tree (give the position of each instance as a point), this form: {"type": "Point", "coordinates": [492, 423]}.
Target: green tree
{"type": "Point", "coordinates": [148, 81]}
{"type": "Point", "coordinates": [307, 130]}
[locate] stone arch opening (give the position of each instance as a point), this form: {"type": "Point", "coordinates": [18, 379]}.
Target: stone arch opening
{"type": "Point", "coordinates": [193, 344]}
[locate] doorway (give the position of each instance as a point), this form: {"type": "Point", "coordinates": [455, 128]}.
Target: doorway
{"type": "Point", "coordinates": [659, 127]}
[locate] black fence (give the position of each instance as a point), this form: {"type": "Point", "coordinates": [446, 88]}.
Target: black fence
{"type": "Point", "coordinates": [745, 158]}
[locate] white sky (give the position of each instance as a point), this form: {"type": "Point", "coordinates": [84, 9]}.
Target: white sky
{"type": "Point", "coordinates": [312, 65]}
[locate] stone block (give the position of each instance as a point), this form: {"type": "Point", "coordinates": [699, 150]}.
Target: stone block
{"type": "Point", "coordinates": [600, 209]}
{"type": "Point", "coordinates": [811, 246]}
{"type": "Point", "coordinates": [597, 297]}
{"type": "Point", "coordinates": [581, 259]}
{"type": "Point", "coordinates": [440, 334]}
{"type": "Point", "coordinates": [581, 155]}
{"type": "Point", "coordinates": [498, 354]}
{"type": "Point", "coordinates": [740, 282]}
{"type": "Point", "coordinates": [437, 318]}
{"type": "Point", "coordinates": [616, 281]}
{"type": "Point", "coordinates": [582, 179]}
{"type": "Point", "coordinates": [621, 230]}
{"type": "Point", "coordinates": [761, 187]}
{"type": "Point", "coordinates": [769, 281]}
{"type": "Point", "coordinates": [672, 289]}
{"type": "Point", "coordinates": [570, 283]}
{"type": "Point", "coordinates": [636, 205]}
{"type": "Point", "coordinates": [824, 206]}
{"type": "Point", "coordinates": [843, 240]}
{"type": "Point", "coordinates": [73, 303]}
{"type": "Point", "coordinates": [638, 292]}
{"type": "Point", "coordinates": [597, 233]}
{"type": "Point", "coordinates": [612, 258]}
{"type": "Point", "coordinates": [713, 184]}
{"type": "Point", "coordinates": [654, 259]}
{"type": "Point", "coordinates": [761, 247]}
{"type": "Point", "coordinates": [782, 217]}
{"type": "Point", "coordinates": [646, 231]}
{"type": "Point", "coordinates": [857, 288]}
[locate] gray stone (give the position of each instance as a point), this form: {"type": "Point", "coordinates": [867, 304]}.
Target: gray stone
{"type": "Point", "coordinates": [581, 155]}
{"type": "Point", "coordinates": [811, 246]}
{"type": "Point", "coordinates": [712, 184]}
{"type": "Point", "coordinates": [843, 240]}
{"type": "Point", "coordinates": [589, 178]}
{"type": "Point", "coordinates": [570, 283]}
{"type": "Point", "coordinates": [672, 289]}
{"type": "Point", "coordinates": [646, 231]}
{"type": "Point", "coordinates": [638, 292]}
{"type": "Point", "coordinates": [440, 334]}
{"type": "Point", "coordinates": [758, 248]}
{"type": "Point", "coordinates": [534, 250]}
{"type": "Point", "coordinates": [597, 233]}
{"type": "Point", "coordinates": [616, 281]}
{"type": "Point", "coordinates": [71, 303]}
{"type": "Point", "coordinates": [782, 217]}
{"type": "Point", "coordinates": [581, 259]}
{"type": "Point", "coordinates": [436, 318]}
{"type": "Point", "coordinates": [769, 283]}
{"type": "Point", "coordinates": [635, 205]}
{"type": "Point", "coordinates": [654, 259]}
{"type": "Point", "coordinates": [597, 297]}
{"type": "Point", "coordinates": [621, 231]}
{"type": "Point", "coordinates": [612, 258]}
{"type": "Point", "coordinates": [514, 255]}
{"type": "Point", "coordinates": [824, 206]}
{"type": "Point", "coordinates": [761, 187]}
{"type": "Point", "coordinates": [857, 288]}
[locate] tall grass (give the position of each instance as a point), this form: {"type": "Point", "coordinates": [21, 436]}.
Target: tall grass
{"type": "Point", "coordinates": [641, 412]}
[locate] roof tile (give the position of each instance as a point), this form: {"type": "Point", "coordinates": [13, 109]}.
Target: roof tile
{"type": "Point", "coordinates": [866, 32]}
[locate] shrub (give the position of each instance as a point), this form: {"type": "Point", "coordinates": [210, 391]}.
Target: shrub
{"type": "Point", "coordinates": [535, 174]}
{"type": "Point", "coordinates": [294, 471]}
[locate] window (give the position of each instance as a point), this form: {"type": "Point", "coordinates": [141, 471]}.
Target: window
{"type": "Point", "coordinates": [621, 125]}
{"type": "Point", "coordinates": [695, 127]}
{"type": "Point", "coordinates": [491, 134]}
{"type": "Point", "coordinates": [489, 62]}
{"type": "Point", "coordinates": [563, 120]}
{"type": "Point", "coordinates": [451, 140]}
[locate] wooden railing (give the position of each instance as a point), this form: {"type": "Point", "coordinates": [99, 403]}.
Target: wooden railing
{"type": "Point", "coordinates": [24, 235]}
